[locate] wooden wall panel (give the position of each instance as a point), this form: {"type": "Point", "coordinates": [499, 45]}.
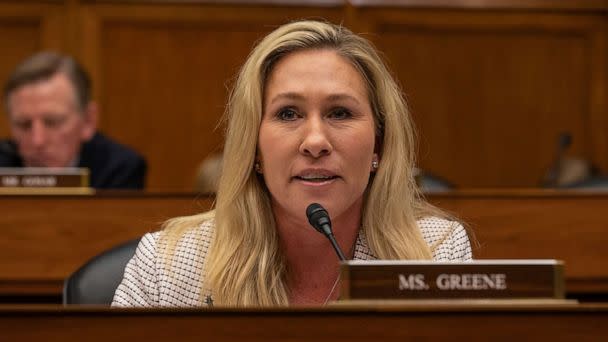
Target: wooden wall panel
{"type": "Point", "coordinates": [490, 92]}
{"type": "Point", "coordinates": [25, 29]}
{"type": "Point", "coordinates": [491, 84]}
{"type": "Point", "coordinates": [164, 76]}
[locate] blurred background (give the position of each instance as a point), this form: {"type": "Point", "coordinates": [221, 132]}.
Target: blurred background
{"type": "Point", "coordinates": [504, 93]}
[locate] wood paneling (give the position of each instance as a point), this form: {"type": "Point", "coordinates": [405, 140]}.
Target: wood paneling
{"type": "Point", "coordinates": [371, 322]}
{"type": "Point", "coordinates": [46, 238]}
{"type": "Point", "coordinates": [491, 83]}
{"type": "Point", "coordinates": [164, 74]}
{"type": "Point", "coordinates": [568, 226]}
{"type": "Point", "coordinates": [490, 92]}
{"type": "Point", "coordinates": [550, 5]}
{"type": "Point", "coordinates": [25, 29]}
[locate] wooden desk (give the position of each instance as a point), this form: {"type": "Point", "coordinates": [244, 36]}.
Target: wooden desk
{"type": "Point", "coordinates": [45, 238]}
{"type": "Point", "coordinates": [567, 225]}
{"type": "Point", "coordinates": [367, 323]}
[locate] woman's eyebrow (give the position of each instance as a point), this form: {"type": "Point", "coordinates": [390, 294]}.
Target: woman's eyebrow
{"type": "Point", "coordinates": [341, 96]}
{"type": "Point", "coordinates": [296, 96]}
{"type": "Point", "coordinates": [288, 96]}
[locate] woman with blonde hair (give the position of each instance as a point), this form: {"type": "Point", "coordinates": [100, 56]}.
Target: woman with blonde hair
{"type": "Point", "coordinates": [314, 117]}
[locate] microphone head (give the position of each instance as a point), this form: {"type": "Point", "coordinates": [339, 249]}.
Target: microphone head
{"type": "Point", "coordinates": [564, 140]}
{"type": "Point", "coordinates": [318, 218]}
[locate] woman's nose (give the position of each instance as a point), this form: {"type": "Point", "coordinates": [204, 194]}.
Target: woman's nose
{"type": "Point", "coordinates": [315, 142]}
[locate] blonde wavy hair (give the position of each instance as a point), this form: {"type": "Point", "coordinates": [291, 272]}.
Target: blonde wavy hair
{"type": "Point", "coordinates": [244, 265]}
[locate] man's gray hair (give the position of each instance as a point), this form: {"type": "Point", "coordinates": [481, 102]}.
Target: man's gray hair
{"type": "Point", "coordinates": [43, 66]}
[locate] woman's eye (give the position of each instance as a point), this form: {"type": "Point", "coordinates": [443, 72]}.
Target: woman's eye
{"type": "Point", "coordinates": [287, 114]}
{"type": "Point", "coordinates": [340, 114]}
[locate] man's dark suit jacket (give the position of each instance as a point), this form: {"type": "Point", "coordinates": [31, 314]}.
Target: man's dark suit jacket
{"type": "Point", "coordinates": [111, 165]}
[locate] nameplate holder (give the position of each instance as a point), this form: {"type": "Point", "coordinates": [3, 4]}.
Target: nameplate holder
{"type": "Point", "coordinates": [480, 279]}
{"type": "Point", "coordinates": [32, 180]}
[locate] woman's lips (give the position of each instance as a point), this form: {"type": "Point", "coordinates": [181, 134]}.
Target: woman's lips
{"type": "Point", "coordinates": [315, 177]}
{"type": "Point", "coordinates": [316, 180]}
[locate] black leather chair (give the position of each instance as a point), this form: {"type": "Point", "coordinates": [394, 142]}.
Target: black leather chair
{"type": "Point", "coordinates": [597, 183]}
{"type": "Point", "coordinates": [429, 182]}
{"type": "Point", "coordinates": [96, 281]}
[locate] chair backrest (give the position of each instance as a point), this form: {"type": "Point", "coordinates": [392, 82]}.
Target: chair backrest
{"type": "Point", "coordinates": [96, 281]}
{"type": "Point", "coordinates": [429, 182]}
{"type": "Point", "coordinates": [597, 183]}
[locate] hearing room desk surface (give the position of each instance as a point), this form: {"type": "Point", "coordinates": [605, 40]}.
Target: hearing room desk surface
{"type": "Point", "coordinates": [360, 323]}
{"type": "Point", "coordinates": [45, 238]}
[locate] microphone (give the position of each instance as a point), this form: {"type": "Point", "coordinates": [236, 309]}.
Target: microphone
{"type": "Point", "coordinates": [552, 175]}
{"type": "Point", "coordinates": [319, 219]}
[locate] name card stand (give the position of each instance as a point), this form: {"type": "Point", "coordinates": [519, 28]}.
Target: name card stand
{"type": "Point", "coordinates": [29, 180]}
{"type": "Point", "coordinates": [523, 281]}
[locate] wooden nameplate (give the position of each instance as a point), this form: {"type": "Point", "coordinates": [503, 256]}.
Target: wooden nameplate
{"type": "Point", "coordinates": [35, 180]}
{"type": "Point", "coordinates": [479, 279]}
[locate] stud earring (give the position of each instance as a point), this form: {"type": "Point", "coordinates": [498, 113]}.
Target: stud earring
{"type": "Point", "coordinates": [374, 164]}
{"type": "Point", "coordinates": [257, 167]}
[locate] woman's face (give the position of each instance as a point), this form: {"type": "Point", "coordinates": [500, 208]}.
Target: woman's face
{"type": "Point", "coordinates": [316, 141]}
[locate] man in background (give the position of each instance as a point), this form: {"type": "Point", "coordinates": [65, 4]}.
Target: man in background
{"type": "Point", "coordinates": [53, 123]}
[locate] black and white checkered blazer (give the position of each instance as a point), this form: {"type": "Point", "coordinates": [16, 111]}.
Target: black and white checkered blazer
{"type": "Point", "coordinates": [149, 282]}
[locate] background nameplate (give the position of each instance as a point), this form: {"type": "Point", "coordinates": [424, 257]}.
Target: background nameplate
{"type": "Point", "coordinates": [45, 181]}
{"type": "Point", "coordinates": [428, 280]}
{"type": "Point", "coordinates": [44, 177]}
